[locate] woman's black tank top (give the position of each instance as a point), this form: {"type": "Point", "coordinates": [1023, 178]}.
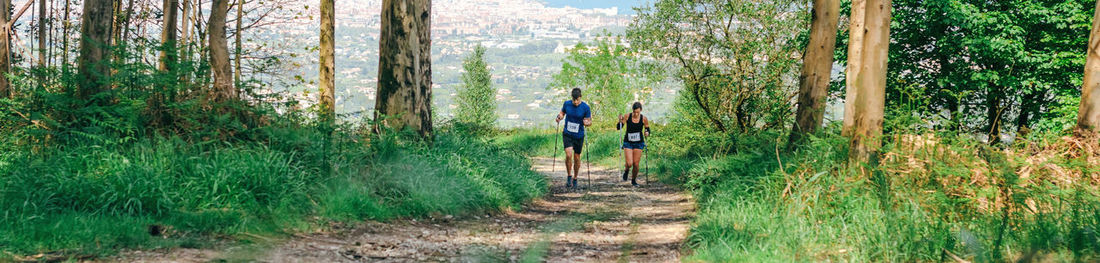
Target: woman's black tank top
{"type": "Point", "coordinates": [634, 130]}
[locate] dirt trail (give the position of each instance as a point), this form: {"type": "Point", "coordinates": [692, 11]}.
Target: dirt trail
{"type": "Point", "coordinates": [606, 221]}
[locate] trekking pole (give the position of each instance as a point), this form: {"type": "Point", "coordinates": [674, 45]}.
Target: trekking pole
{"type": "Point", "coordinates": [646, 165]}
{"type": "Point", "coordinates": [588, 163]}
{"type": "Point", "coordinates": [555, 168]}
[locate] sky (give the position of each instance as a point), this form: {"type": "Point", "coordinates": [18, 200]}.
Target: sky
{"type": "Point", "coordinates": [625, 6]}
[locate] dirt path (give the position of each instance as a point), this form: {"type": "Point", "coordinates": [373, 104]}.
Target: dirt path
{"type": "Point", "coordinates": [606, 221]}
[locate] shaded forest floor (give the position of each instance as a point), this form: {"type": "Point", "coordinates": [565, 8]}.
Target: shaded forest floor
{"type": "Point", "coordinates": [605, 221]}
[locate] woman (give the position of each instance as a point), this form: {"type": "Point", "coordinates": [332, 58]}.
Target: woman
{"type": "Point", "coordinates": [637, 129]}
{"type": "Point", "coordinates": [577, 115]}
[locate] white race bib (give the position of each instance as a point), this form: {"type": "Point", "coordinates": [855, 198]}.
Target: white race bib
{"type": "Point", "coordinates": [573, 127]}
{"type": "Point", "coordinates": [634, 137]}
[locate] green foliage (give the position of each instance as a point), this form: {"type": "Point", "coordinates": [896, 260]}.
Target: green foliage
{"type": "Point", "coordinates": [611, 75]}
{"type": "Point", "coordinates": [736, 59]}
{"type": "Point", "coordinates": [979, 61]}
{"type": "Point", "coordinates": [476, 97]}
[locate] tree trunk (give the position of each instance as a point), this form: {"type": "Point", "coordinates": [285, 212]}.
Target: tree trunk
{"type": "Point", "coordinates": [239, 47]}
{"type": "Point", "coordinates": [1028, 105]}
{"type": "Point", "coordinates": [1088, 117]}
{"type": "Point", "coordinates": [817, 70]}
{"type": "Point", "coordinates": [65, 24]}
{"type": "Point", "coordinates": [42, 20]}
{"type": "Point", "coordinates": [856, 27]}
{"type": "Point", "coordinates": [168, 36]}
{"type": "Point", "coordinates": [328, 65]}
{"type": "Point", "coordinates": [993, 114]}
{"type": "Point", "coordinates": [869, 106]}
{"type": "Point", "coordinates": [405, 75]}
{"type": "Point", "coordinates": [93, 65]}
{"type": "Point", "coordinates": [5, 49]}
{"type": "Point", "coordinates": [219, 53]}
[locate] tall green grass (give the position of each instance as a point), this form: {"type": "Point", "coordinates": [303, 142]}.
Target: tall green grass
{"type": "Point", "coordinates": [89, 199]}
{"type": "Point", "coordinates": [919, 204]}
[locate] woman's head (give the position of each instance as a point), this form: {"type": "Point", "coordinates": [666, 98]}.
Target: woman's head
{"type": "Point", "coordinates": [637, 107]}
{"type": "Point", "coordinates": [576, 93]}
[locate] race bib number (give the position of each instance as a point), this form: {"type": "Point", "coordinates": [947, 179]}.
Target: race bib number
{"type": "Point", "coordinates": [573, 127]}
{"type": "Point", "coordinates": [634, 137]}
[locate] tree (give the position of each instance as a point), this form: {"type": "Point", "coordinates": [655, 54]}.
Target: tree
{"type": "Point", "coordinates": [93, 65]}
{"type": "Point", "coordinates": [168, 36]}
{"type": "Point", "coordinates": [219, 53]}
{"type": "Point", "coordinates": [737, 59]}
{"type": "Point", "coordinates": [476, 97]}
{"type": "Point", "coordinates": [404, 67]}
{"type": "Point", "coordinates": [1088, 118]}
{"type": "Point", "coordinates": [328, 63]}
{"type": "Point", "coordinates": [609, 73]}
{"type": "Point", "coordinates": [5, 48]}
{"type": "Point", "coordinates": [870, 80]}
{"type": "Point", "coordinates": [817, 67]}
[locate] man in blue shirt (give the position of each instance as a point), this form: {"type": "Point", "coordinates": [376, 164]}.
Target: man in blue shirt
{"type": "Point", "coordinates": [577, 116]}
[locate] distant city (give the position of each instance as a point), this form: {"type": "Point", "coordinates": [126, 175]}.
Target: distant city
{"type": "Point", "coordinates": [527, 39]}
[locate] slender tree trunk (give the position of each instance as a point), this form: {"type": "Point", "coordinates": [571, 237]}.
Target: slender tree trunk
{"type": "Point", "coordinates": [328, 65]}
{"type": "Point", "coordinates": [869, 108]}
{"type": "Point", "coordinates": [93, 64]}
{"type": "Point", "coordinates": [42, 20]}
{"type": "Point", "coordinates": [65, 25]}
{"type": "Point", "coordinates": [857, 25]}
{"type": "Point", "coordinates": [239, 49]}
{"type": "Point", "coordinates": [817, 67]}
{"type": "Point", "coordinates": [168, 36]}
{"type": "Point", "coordinates": [5, 49]}
{"type": "Point", "coordinates": [1088, 117]}
{"type": "Point", "coordinates": [993, 114]}
{"type": "Point", "coordinates": [404, 67]}
{"type": "Point", "coordinates": [1028, 105]}
{"type": "Point", "coordinates": [219, 53]}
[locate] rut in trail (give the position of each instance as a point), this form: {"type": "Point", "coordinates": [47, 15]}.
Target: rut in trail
{"type": "Point", "coordinates": [603, 222]}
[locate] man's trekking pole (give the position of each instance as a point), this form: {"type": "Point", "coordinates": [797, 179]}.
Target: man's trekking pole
{"type": "Point", "coordinates": [588, 163]}
{"type": "Point", "coordinates": [555, 168]}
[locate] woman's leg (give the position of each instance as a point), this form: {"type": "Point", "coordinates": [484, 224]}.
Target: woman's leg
{"type": "Point", "coordinates": [637, 154]}
{"type": "Point", "coordinates": [628, 159]}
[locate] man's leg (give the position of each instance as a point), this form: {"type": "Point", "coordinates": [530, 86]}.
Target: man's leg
{"type": "Point", "coordinates": [568, 166]}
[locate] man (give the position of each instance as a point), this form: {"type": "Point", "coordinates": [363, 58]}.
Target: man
{"type": "Point", "coordinates": [577, 116]}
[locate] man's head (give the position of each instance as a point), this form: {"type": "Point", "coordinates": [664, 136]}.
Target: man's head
{"type": "Point", "coordinates": [576, 93]}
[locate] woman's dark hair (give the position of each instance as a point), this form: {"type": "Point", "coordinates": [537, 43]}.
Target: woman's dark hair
{"type": "Point", "coordinates": [576, 93]}
{"type": "Point", "coordinates": [637, 105]}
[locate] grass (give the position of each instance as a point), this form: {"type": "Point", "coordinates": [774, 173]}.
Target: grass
{"type": "Point", "coordinates": [94, 200]}
{"type": "Point", "coordinates": [924, 202]}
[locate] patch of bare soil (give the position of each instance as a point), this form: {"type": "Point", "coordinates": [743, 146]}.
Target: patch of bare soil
{"type": "Point", "coordinates": [602, 221]}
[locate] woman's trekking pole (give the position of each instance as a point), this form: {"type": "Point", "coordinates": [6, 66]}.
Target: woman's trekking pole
{"type": "Point", "coordinates": [646, 165]}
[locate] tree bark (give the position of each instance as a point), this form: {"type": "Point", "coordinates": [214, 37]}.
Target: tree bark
{"type": "Point", "coordinates": [1088, 116]}
{"type": "Point", "coordinates": [93, 65]}
{"type": "Point", "coordinates": [168, 36]}
{"type": "Point", "coordinates": [5, 49]}
{"type": "Point", "coordinates": [65, 24]}
{"type": "Point", "coordinates": [42, 20]}
{"type": "Point", "coordinates": [1029, 105]}
{"type": "Point", "coordinates": [817, 68]}
{"type": "Point", "coordinates": [219, 53]}
{"type": "Point", "coordinates": [869, 106]}
{"type": "Point", "coordinates": [993, 114]}
{"type": "Point", "coordinates": [328, 65]}
{"type": "Point", "coordinates": [405, 75]}
{"type": "Point", "coordinates": [856, 28]}
{"type": "Point", "coordinates": [239, 47]}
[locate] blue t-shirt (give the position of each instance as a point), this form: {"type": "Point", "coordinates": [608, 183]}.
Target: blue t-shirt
{"type": "Point", "coordinates": [574, 118]}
